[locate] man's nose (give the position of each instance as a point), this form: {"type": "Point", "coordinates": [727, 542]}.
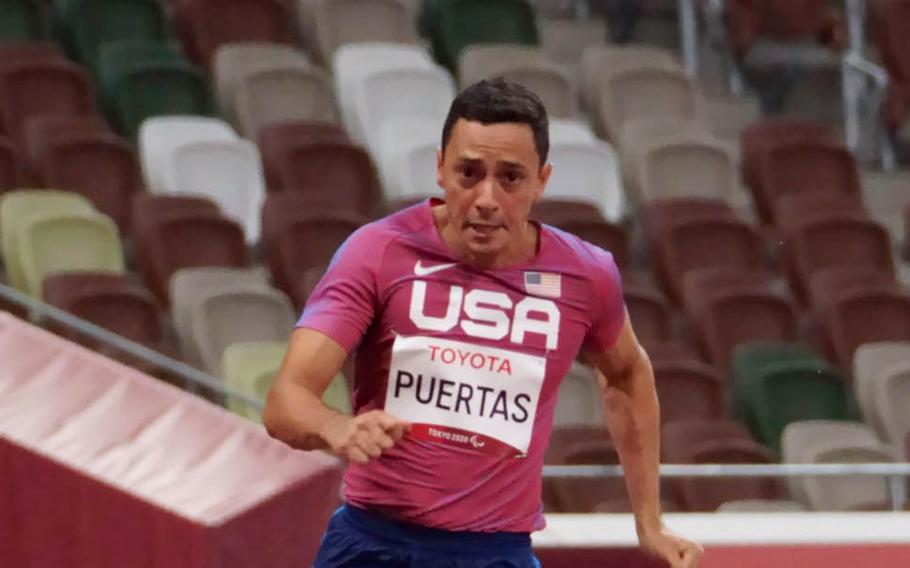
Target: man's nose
{"type": "Point", "coordinates": [486, 197]}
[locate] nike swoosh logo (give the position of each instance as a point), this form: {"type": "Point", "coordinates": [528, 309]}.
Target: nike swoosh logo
{"type": "Point", "coordinates": [427, 270]}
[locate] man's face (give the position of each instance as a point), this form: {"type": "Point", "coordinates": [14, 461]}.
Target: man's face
{"type": "Point", "coordinates": [491, 175]}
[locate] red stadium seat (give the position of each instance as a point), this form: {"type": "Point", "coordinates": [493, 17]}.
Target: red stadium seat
{"type": "Point", "coordinates": [783, 21]}
{"type": "Point", "coordinates": [868, 314]}
{"type": "Point", "coordinates": [48, 87]}
{"type": "Point", "coordinates": [689, 390]}
{"type": "Point", "coordinates": [649, 313]}
{"type": "Point", "coordinates": [11, 176]}
{"type": "Point", "coordinates": [95, 163]}
{"type": "Point", "coordinates": [276, 138]}
{"type": "Point", "coordinates": [206, 25]}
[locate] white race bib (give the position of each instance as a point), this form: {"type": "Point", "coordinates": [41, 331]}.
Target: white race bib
{"type": "Point", "coordinates": [463, 394]}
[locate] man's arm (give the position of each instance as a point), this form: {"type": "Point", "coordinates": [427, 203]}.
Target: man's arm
{"type": "Point", "coordinates": [632, 415]}
{"type": "Point", "coordinates": [295, 414]}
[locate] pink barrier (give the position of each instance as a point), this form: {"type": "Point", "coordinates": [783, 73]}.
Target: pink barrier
{"type": "Point", "coordinates": [101, 465]}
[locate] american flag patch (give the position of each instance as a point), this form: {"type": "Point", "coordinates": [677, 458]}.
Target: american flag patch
{"type": "Point", "coordinates": [543, 284]}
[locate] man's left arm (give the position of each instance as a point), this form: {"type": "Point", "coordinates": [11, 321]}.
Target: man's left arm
{"type": "Point", "coordinates": [632, 416]}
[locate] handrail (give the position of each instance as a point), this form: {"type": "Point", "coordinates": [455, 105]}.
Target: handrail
{"type": "Point", "coordinates": [38, 308]}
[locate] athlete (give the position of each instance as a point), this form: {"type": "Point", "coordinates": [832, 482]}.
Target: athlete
{"type": "Point", "coordinates": [465, 316]}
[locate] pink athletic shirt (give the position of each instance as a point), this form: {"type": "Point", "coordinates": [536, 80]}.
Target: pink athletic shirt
{"type": "Point", "coordinates": [472, 358]}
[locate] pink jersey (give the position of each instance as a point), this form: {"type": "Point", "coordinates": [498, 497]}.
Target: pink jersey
{"type": "Point", "coordinates": [472, 358]}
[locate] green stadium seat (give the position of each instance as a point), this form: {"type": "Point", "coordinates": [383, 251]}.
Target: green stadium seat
{"type": "Point", "coordinates": [450, 25]}
{"type": "Point", "coordinates": [748, 363]}
{"type": "Point", "coordinates": [796, 391]}
{"type": "Point", "coordinates": [85, 25]}
{"type": "Point", "coordinates": [144, 79]}
{"type": "Point", "coordinates": [54, 243]}
{"type": "Point", "coordinates": [22, 20]}
{"type": "Point", "coordinates": [17, 207]}
{"type": "Point", "coordinates": [250, 368]}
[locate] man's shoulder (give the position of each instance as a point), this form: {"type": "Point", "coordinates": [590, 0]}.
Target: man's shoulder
{"type": "Point", "coordinates": [572, 251]}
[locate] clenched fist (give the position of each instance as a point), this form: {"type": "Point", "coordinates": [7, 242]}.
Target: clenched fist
{"type": "Point", "coordinates": [364, 437]}
{"type": "Point", "coordinates": [676, 550]}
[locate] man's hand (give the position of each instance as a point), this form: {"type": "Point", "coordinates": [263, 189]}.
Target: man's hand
{"type": "Point", "coordinates": [676, 550]}
{"type": "Point", "coordinates": [364, 437]}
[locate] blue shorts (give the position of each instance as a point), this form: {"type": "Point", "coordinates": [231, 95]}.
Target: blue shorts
{"type": "Point", "coordinates": [359, 538]}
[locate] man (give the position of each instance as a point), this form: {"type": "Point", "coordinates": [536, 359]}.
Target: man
{"type": "Point", "coordinates": [466, 316]}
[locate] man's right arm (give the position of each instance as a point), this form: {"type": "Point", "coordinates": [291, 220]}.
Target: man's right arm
{"type": "Point", "coordinates": [295, 414]}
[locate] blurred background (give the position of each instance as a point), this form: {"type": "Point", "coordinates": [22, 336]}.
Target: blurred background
{"type": "Point", "coordinates": [176, 175]}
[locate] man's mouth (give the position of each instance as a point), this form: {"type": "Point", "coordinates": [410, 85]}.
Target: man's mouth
{"type": "Point", "coordinates": [483, 228]}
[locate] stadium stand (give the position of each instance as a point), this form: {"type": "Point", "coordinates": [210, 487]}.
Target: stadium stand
{"type": "Point", "coordinates": [764, 264]}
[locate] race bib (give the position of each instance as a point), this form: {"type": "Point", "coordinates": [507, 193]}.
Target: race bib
{"type": "Point", "coordinates": [466, 395]}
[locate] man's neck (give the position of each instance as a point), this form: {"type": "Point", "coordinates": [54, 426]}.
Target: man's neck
{"type": "Point", "coordinates": [522, 248]}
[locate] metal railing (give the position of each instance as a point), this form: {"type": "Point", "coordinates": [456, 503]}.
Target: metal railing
{"type": "Point", "coordinates": [193, 379]}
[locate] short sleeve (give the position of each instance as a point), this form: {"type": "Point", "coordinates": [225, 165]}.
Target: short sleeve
{"type": "Point", "coordinates": [608, 309]}
{"type": "Point", "coordinates": [344, 301]}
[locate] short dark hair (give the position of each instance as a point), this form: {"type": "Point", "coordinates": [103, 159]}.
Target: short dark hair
{"type": "Point", "coordinates": [496, 100]}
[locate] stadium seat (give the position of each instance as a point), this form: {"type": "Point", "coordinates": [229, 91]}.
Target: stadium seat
{"type": "Point", "coordinates": [228, 172]}
{"type": "Point", "coordinates": [793, 391]}
{"type": "Point", "coordinates": [781, 21]}
{"type": "Point", "coordinates": [803, 166]}
{"type": "Point", "coordinates": [856, 493]}
{"type": "Point", "coordinates": [599, 62]}
{"type": "Point", "coordinates": [84, 25]}
{"type": "Point", "coordinates": [801, 439]}
{"type": "Point", "coordinates": [891, 401]}
{"type": "Point", "coordinates": [190, 238]}
{"type": "Point", "coordinates": [159, 135]}
{"type": "Point", "coordinates": [141, 81]}
{"type": "Point", "coordinates": [565, 41]}
{"type": "Point", "coordinates": [347, 180]}
{"type": "Point", "coordinates": [384, 97]}
{"type": "Point", "coordinates": [702, 286]}
{"type": "Point", "coordinates": [587, 172]}
{"type": "Point", "coordinates": [837, 240]}
{"type": "Point", "coordinates": [24, 53]}
{"type": "Point", "coordinates": [710, 442]}
{"type": "Point", "coordinates": [307, 242]}
{"type": "Point", "coordinates": [865, 315]}
{"type": "Point", "coordinates": [237, 314]}
{"type": "Point", "coordinates": [744, 316]}
{"type": "Point", "coordinates": [686, 167]}
{"type": "Point", "coordinates": [452, 26]}
{"type": "Point", "coordinates": [275, 139]}
{"type": "Point", "coordinates": [793, 209]}
{"type": "Point", "coordinates": [690, 244]}
{"type": "Point", "coordinates": [250, 368]}
{"type": "Point", "coordinates": [407, 157]}
{"type": "Point", "coordinates": [579, 401]}
{"type": "Point", "coordinates": [206, 25]}
{"type": "Point", "coordinates": [649, 313]}
{"type": "Point", "coordinates": [660, 215]}
{"type": "Point", "coordinates": [111, 301]}
{"type": "Point", "coordinates": [48, 87]}
{"type": "Point", "coordinates": [234, 62]}
{"type": "Point", "coordinates": [640, 134]}
{"type": "Point", "coordinates": [871, 365]}
{"type": "Point", "coordinates": [11, 174]}
{"type": "Point", "coordinates": [763, 135]}
{"type": "Point", "coordinates": [583, 445]}
{"type": "Point", "coordinates": [689, 390]}
{"type": "Point", "coordinates": [17, 208]}
{"type": "Point", "coordinates": [53, 242]}
{"type": "Point", "coordinates": [748, 362]}
{"type": "Point", "coordinates": [634, 93]}
{"type": "Point", "coordinates": [609, 236]}
{"type": "Point", "coordinates": [351, 65]}
{"type": "Point", "coordinates": [525, 65]}
{"type": "Point", "coordinates": [329, 24]}
{"type": "Point", "coordinates": [279, 93]}
{"type": "Point", "coordinates": [86, 159]}
{"type": "Point", "coordinates": [554, 211]}
{"type": "Point", "coordinates": [827, 284]}
{"type": "Point", "coordinates": [22, 20]}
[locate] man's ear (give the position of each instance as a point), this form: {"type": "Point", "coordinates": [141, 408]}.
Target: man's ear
{"type": "Point", "coordinates": [543, 177]}
{"type": "Point", "coordinates": [439, 167]}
